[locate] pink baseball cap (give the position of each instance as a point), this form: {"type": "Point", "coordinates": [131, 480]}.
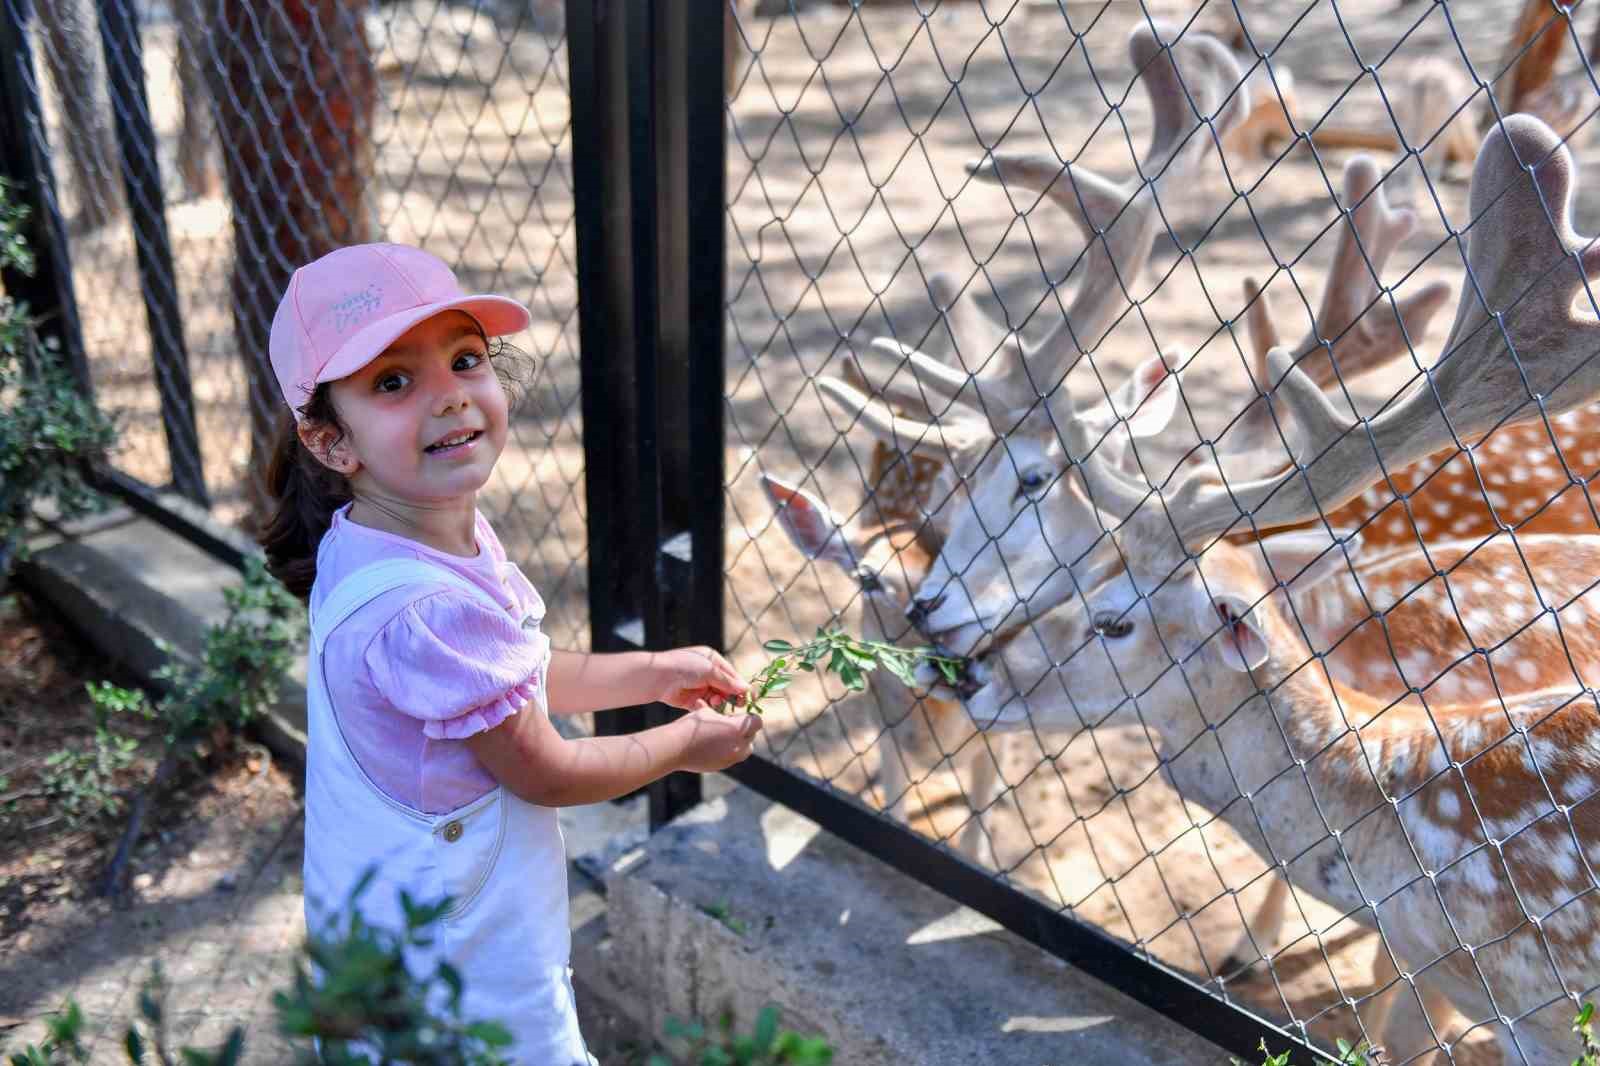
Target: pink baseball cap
{"type": "Point", "coordinates": [341, 311]}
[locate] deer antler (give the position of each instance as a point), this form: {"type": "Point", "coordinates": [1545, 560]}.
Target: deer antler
{"type": "Point", "coordinates": [1356, 328]}
{"type": "Point", "coordinates": [1515, 337]}
{"type": "Point", "coordinates": [1121, 220]}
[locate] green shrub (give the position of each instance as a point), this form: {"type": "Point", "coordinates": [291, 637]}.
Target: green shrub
{"type": "Point", "coordinates": [51, 434]}
{"type": "Point", "coordinates": [766, 1045]}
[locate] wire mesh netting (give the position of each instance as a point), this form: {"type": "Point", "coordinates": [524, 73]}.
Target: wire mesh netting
{"type": "Point", "coordinates": [994, 271]}
{"type": "Point", "coordinates": [1186, 715]}
{"type": "Point", "coordinates": [425, 123]}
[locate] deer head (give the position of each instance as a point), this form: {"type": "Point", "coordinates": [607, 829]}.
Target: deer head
{"type": "Point", "coordinates": [987, 411]}
{"type": "Point", "coordinates": [1165, 572]}
{"type": "Point", "coordinates": [1007, 547]}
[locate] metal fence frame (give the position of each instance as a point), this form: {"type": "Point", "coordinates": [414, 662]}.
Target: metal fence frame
{"type": "Point", "coordinates": [649, 163]}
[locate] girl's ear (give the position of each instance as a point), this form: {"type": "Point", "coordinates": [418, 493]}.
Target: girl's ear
{"type": "Point", "coordinates": [329, 446]}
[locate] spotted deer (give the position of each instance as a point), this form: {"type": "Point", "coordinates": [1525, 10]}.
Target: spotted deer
{"type": "Point", "coordinates": [921, 732]}
{"type": "Point", "coordinates": [1458, 823]}
{"type": "Point", "coordinates": [912, 475]}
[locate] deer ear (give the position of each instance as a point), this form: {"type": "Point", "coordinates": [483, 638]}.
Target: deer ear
{"type": "Point", "coordinates": [1148, 398]}
{"type": "Point", "coordinates": [810, 525]}
{"type": "Point", "coordinates": [1308, 557]}
{"type": "Point", "coordinates": [1240, 641]}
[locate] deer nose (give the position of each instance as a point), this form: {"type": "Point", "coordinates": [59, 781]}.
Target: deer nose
{"type": "Point", "coordinates": [920, 609]}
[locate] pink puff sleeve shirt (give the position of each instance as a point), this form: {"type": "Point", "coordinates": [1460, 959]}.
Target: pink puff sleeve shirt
{"type": "Point", "coordinates": [417, 671]}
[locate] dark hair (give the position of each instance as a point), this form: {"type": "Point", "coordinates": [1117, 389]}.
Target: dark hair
{"type": "Point", "coordinates": [306, 493]}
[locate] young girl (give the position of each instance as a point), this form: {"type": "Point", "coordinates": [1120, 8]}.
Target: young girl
{"type": "Point", "coordinates": [431, 756]}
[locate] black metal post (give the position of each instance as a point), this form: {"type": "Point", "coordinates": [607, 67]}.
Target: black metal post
{"type": "Point", "coordinates": [141, 175]}
{"type": "Point", "coordinates": [25, 161]}
{"type": "Point", "coordinates": [601, 183]}
{"type": "Point", "coordinates": [688, 377]}
{"type": "Point", "coordinates": [648, 171]}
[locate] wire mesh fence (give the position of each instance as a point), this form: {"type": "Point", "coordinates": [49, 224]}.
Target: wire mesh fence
{"type": "Point", "coordinates": [906, 174]}
{"type": "Point", "coordinates": [431, 124]}
{"type": "Point", "coordinates": [1002, 281]}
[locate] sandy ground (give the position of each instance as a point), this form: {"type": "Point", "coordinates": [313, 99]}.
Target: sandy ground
{"type": "Point", "coordinates": [848, 137]}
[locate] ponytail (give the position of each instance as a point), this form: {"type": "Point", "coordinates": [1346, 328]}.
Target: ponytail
{"type": "Point", "coordinates": [306, 493]}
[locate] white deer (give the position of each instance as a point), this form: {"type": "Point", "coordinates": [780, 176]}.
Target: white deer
{"type": "Point", "coordinates": [914, 469]}
{"type": "Point", "coordinates": [921, 732]}
{"type": "Point", "coordinates": [1460, 828]}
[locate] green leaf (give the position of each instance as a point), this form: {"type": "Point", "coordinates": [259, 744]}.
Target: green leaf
{"type": "Point", "coordinates": [766, 1028]}
{"type": "Point", "coordinates": [778, 645]}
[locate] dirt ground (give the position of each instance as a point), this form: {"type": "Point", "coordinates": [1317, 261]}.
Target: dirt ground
{"type": "Point", "coordinates": [848, 138]}
{"type": "Point", "coordinates": [213, 886]}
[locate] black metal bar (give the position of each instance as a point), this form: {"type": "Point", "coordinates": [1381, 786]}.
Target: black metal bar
{"type": "Point", "coordinates": [597, 61]}
{"type": "Point", "coordinates": [689, 148]}
{"type": "Point", "coordinates": [141, 175]}
{"type": "Point", "coordinates": [25, 161]}
{"type": "Point", "coordinates": [1233, 1028]}
{"type": "Point", "coordinates": [168, 509]}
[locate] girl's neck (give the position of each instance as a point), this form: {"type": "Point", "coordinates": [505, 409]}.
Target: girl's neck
{"type": "Point", "coordinates": [450, 528]}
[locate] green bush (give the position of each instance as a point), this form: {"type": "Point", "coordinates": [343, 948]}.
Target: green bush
{"type": "Point", "coordinates": [51, 434]}
{"type": "Point", "coordinates": [351, 990]}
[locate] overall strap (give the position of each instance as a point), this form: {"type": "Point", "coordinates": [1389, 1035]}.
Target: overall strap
{"type": "Point", "coordinates": [369, 582]}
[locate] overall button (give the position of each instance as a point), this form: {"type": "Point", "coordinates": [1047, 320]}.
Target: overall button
{"type": "Point", "coordinates": [452, 832]}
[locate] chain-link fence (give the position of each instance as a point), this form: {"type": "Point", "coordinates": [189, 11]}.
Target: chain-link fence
{"type": "Point", "coordinates": [1243, 783]}
{"type": "Point", "coordinates": [439, 125]}
{"type": "Point", "coordinates": [1002, 281]}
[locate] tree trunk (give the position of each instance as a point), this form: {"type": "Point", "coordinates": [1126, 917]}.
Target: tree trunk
{"type": "Point", "coordinates": [197, 167]}
{"type": "Point", "coordinates": [71, 51]}
{"type": "Point", "coordinates": [295, 91]}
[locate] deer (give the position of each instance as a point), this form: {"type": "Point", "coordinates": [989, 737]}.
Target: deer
{"type": "Point", "coordinates": [1456, 824]}
{"type": "Point", "coordinates": [920, 730]}
{"type": "Point", "coordinates": [911, 476]}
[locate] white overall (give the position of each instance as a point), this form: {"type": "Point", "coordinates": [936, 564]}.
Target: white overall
{"type": "Point", "coordinates": [501, 859]}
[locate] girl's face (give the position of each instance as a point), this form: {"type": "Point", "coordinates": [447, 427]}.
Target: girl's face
{"type": "Point", "coordinates": [426, 420]}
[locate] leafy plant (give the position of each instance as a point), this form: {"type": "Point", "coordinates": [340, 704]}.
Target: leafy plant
{"type": "Point", "coordinates": [766, 1045]}
{"type": "Point", "coordinates": [238, 678]}
{"type": "Point", "coordinates": [62, 1042]}
{"type": "Point", "coordinates": [724, 914]}
{"type": "Point", "coordinates": [243, 662]}
{"type": "Point", "coordinates": [1583, 1025]}
{"type": "Point", "coordinates": [51, 433]}
{"type": "Point", "coordinates": [835, 651]}
{"type": "Point", "coordinates": [353, 991]}
{"type": "Point", "coordinates": [1362, 1054]}
{"type": "Point", "coordinates": [146, 1039]}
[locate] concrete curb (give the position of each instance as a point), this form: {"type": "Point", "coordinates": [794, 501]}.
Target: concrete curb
{"type": "Point", "coordinates": [737, 904]}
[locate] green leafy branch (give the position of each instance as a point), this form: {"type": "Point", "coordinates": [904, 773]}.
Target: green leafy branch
{"type": "Point", "coordinates": [834, 651]}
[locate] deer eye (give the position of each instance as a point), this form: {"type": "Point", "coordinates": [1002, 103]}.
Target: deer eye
{"type": "Point", "coordinates": [869, 580]}
{"type": "Point", "coordinates": [1107, 624]}
{"type": "Point", "coordinates": [1032, 481]}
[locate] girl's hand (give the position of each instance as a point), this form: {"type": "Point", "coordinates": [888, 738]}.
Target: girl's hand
{"type": "Point", "coordinates": [693, 679]}
{"type": "Point", "coordinates": [715, 741]}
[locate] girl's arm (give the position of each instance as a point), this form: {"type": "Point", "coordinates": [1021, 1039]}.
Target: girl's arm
{"type": "Point", "coordinates": [537, 764]}
{"type": "Point", "coordinates": [690, 678]}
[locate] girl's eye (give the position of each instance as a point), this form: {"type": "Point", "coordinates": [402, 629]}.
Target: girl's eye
{"type": "Point", "coordinates": [1107, 624]}
{"type": "Point", "coordinates": [389, 383]}
{"type": "Point", "coordinates": [469, 360]}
